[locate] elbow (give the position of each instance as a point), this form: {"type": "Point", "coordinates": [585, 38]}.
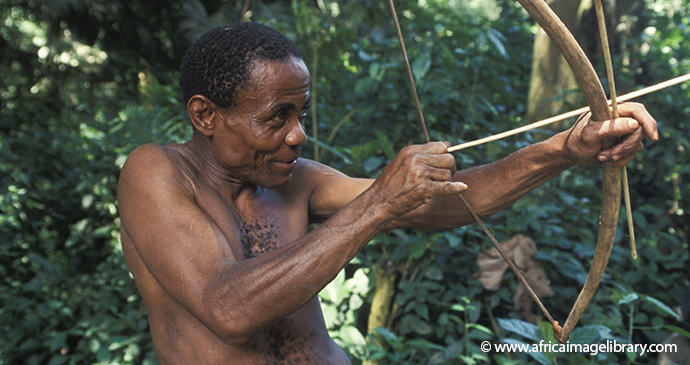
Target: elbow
{"type": "Point", "coordinates": [231, 327]}
{"type": "Point", "coordinates": [233, 338]}
{"type": "Point", "coordinates": [232, 332]}
{"type": "Point", "coordinates": [233, 324]}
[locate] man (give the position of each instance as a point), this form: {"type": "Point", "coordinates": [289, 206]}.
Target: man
{"type": "Point", "coordinates": [215, 230]}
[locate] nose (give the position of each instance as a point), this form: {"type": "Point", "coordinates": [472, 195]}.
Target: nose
{"type": "Point", "coordinates": [296, 135]}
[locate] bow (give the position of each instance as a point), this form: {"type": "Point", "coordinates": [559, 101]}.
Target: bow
{"type": "Point", "coordinates": [598, 105]}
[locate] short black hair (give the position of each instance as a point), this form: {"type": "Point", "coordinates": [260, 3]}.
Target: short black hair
{"type": "Point", "coordinates": [218, 64]}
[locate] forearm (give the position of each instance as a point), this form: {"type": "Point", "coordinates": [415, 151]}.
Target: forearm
{"type": "Point", "coordinates": [493, 187]}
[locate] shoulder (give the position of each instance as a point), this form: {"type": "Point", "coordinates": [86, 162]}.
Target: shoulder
{"type": "Point", "coordinates": [146, 161]}
{"type": "Point", "coordinates": [153, 160]}
{"type": "Point", "coordinates": [152, 168]}
{"type": "Point", "coordinates": [145, 157]}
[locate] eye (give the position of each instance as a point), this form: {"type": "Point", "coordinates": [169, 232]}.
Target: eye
{"type": "Point", "coordinates": [280, 117]}
{"type": "Point", "coordinates": [303, 112]}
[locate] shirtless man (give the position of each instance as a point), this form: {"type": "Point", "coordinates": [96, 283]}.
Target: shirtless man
{"type": "Point", "coordinates": [215, 230]}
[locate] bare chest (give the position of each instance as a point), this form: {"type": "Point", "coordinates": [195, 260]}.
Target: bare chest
{"type": "Point", "coordinates": [259, 236]}
{"type": "Point", "coordinates": [257, 225]}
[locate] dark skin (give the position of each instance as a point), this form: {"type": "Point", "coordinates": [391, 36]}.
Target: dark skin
{"type": "Point", "coordinates": [215, 231]}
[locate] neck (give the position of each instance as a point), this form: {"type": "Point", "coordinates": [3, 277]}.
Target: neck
{"type": "Point", "coordinates": [200, 155]}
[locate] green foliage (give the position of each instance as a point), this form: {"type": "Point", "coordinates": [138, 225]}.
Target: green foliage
{"type": "Point", "coordinates": [85, 82]}
{"type": "Point", "coordinates": [66, 293]}
{"type": "Point", "coordinates": [341, 302]}
{"type": "Point", "coordinates": [545, 349]}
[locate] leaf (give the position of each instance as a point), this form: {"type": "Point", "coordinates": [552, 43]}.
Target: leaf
{"type": "Point", "coordinates": [385, 144]}
{"type": "Point", "coordinates": [387, 335]}
{"type": "Point", "coordinates": [540, 357]}
{"type": "Point", "coordinates": [330, 315]}
{"type": "Point", "coordinates": [422, 311]}
{"type": "Point", "coordinates": [477, 331]}
{"type": "Point", "coordinates": [332, 150]}
{"type": "Point", "coordinates": [364, 56]}
{"type": "Point", "coordinates": [546, 331]}
{"type": "Point", "coordinates": [458, 307]}
{"type": "Point", "coordinates": [413, 323]}
{"type": "Point", "coordinates": [453, 240]}
{"type": "Point", "coordinates": [678, 330]}
{"type": "Point", "coordinates": [365, 85]}
{"type": "Point", "coordinates": [333, 290]}
{"type": "Point", "coordinates": [352, 335]}
{"type": "Point", "coordinates": [660, 306]}
{"type": "Point", "coordinates": [372, 163]}
{"type": "Point", "coordinates": [417, 249]}
{"type": "Point", "coordinates": [434, 273]}
{"type": "Point", "coordinates": [424, 344]}
{"type": "Point", "coordinates": [421, 66]}
{"type": "Point", "coordinates": [522, 328]}
{"type": "Point", "coordinates": [58, 360]}
{"type": "Point", "coordinates": [359, 283]}
{"type": "Point", "coordinates": [132, 351]}
{"type": "Point", "coordinates": [589, 334]}
{"type": "Point", "coordinates": [497, 39]}
{"type": "Point", "coordinates": [57, 342]}
{"type": "Point", "coordinates": [377, 71]}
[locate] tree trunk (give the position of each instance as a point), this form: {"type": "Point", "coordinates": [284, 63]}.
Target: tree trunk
{"type": "Point", "coordinates": [384, 294]}
{"type": "Point", "coordinates": [553, 84]}
{"type": "Point", "coordinates": [553, 88]}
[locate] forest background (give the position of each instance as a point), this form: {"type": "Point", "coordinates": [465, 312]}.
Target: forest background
{"type": "Point", "coordinates": [84, 82]}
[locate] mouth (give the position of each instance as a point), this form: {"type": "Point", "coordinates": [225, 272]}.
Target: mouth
{"type": "Point", "coordinates": [287, 163]}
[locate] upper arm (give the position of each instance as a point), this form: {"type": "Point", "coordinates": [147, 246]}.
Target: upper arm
{"type": "Point", "coordinates": [179, 244]}
{"type": "Point", "coordinates": [331, 189]}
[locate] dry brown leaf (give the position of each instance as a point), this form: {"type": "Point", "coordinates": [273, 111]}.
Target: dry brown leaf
{"type": "Point", "coordinates": [519, 249]}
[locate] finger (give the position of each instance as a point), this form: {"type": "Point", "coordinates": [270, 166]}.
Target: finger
{"type": "Point", "coordinates": [440, 174]}
{"type": "Point", "coordinates": [620, 152]}
{"type": "Point", "coordinates": [445, 161]}
{"type": "Point", "coordinates": [632, 143]}
{"type": "Point", "coordinates": [438, 157]}
{"type": "Point", "coordinates": [614, 127]}
{"type": "Point", "coordinates": [439, 167]}
{"type": "Point", "coordinates": [640, 113]}
{"type": "Point", "coordinates": [450, 188]}
{"type": "Point", "coordinates": [622, 162]}
{"type": "Point", "coordinates": [437, 147]}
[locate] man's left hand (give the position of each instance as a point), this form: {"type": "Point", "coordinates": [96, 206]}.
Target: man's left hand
{"type": "Point", "coordinates": [584, 140]}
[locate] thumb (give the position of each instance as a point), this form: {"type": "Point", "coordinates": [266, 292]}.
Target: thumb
{"type": "Point", "coordinates": [617, 127]}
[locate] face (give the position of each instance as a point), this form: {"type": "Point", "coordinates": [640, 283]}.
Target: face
{"type": "Point", "coordinates": [258, 140]}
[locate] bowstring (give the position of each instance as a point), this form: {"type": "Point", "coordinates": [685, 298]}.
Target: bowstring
{"type": "Point", "coordinates": [612, 90]}
{"type": "Point", "coordinates": [510, 263]}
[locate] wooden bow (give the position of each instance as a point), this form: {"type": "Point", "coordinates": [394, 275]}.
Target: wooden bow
{"type": "Point", "coordinates": [598, 105]}
{"type": "Point", "coordinates": [596, 98]}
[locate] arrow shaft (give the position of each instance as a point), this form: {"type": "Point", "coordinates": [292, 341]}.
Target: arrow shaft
{"type": "Point", "coordinates": [571, 114]}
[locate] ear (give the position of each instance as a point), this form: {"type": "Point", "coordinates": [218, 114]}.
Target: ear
{"type": "Point", "coordinates": [202, 113]}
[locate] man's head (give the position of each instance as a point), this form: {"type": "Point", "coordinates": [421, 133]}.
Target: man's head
{"type": "Point", "coordinates": [219, 63]}
{"type": "Point", "coordinates": [247, 92]}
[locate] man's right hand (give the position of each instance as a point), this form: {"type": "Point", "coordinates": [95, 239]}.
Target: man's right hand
{"type": "Point", "coordinates": [416, 175]}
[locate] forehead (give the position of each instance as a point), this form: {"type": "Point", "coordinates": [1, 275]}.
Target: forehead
{"type": "Point", "coordinates": [290, 74]}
